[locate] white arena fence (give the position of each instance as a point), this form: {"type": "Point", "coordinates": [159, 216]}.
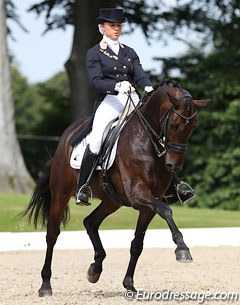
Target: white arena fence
{"type": "Point", "coordinates": [160, 238]}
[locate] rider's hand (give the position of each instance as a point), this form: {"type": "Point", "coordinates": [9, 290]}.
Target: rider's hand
{"type": "Point", "coordinates": [124, 87]}
{"type": "Point", "coordinates": [148, 89]}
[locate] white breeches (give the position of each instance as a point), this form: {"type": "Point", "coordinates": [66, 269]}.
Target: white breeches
{"type": "Point", "coordinates": [110, 108]}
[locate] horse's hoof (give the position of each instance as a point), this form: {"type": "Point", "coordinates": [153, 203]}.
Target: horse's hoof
{"type": "Point", "coordinates": [128, 284]}
{"type": "Point", "coordinates": [183, 256]}
{"type": "Point", "coordinates": [44, 293]}
{"type": "Point", "coordinates": [92, 276]}
{"type": "Point", "coordinates": [45, 290]}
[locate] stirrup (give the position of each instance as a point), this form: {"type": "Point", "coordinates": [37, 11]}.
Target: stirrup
{"type": "Point", "coordinates": [189, 189]}
{"type": "Point", "coordinates": [88, 190]}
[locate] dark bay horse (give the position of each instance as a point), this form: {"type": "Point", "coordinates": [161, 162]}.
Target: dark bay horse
{"type": "Point", "coordinates": [150, 150]}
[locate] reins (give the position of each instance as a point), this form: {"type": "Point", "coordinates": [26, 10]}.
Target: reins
{"type": "Point", "coordinates": [161, 138]}
{"type": "Point", "coordinates": [147, 127]}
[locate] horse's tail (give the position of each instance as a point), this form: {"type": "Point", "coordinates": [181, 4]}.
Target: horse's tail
{"type": "Point", "coordinates": [39, 205]}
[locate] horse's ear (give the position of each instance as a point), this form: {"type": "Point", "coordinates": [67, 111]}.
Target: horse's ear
{"type": "Point", "coordinates": [174, 100]}
{"type": "Point", "coordinates": [201, 103]}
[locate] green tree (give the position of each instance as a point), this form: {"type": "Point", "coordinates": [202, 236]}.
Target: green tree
{"type": "Point", "coordinates": [42, 113]}
{"type": "Point", "coordinates": [42, 108]}
{"type": "Point", "coordinates": [28, 103]}
{"type": "Point", "coordinates": [213, 163]}
{"type": "Point", "coordinates": [14, 175]}
{"type": "Point", "coordinates": [55, 113]}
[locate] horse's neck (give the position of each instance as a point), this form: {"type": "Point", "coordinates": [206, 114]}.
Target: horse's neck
{"type": "Point", "coordinates": [153, 110]}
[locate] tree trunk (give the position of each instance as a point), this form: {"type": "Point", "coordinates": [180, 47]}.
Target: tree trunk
{"type": "Point", "coordinates": [85, 35]}
{"type": "Point", "coordinates": [14, 176]}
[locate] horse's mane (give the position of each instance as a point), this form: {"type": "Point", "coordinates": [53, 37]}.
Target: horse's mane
{"type": "Point", "coordinates": [162, 82]}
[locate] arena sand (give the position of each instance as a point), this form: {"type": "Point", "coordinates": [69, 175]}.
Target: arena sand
{"type": "Point", "coordinates": [214, 269]}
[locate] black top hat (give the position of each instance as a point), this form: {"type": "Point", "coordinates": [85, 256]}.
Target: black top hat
{"type": "Point", "coordinates": [111, 15]}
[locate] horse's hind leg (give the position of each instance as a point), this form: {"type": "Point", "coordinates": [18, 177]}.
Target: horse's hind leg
{"type": "Point", "coordinates": [92, 223]}
{"type": "Point", "coordinates": [53, 230]}
{"type": "Point", "coordinates": [144, 218]}
{"type": "Point", "coordinates": [182, 251]}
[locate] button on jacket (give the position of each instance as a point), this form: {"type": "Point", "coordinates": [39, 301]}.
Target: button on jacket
{"type": "Point", "coordinates": [105, 68]}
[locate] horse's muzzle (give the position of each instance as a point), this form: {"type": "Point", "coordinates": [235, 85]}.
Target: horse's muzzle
{"type": "Point", "coordinates": [174, 164]}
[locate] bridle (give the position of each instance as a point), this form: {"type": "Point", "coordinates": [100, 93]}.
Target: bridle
{"type": "Point", "coordinates": [161, 138]}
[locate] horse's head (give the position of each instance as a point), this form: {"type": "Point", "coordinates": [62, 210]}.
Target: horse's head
{"type": "Point", "coordinates": [178, 120]}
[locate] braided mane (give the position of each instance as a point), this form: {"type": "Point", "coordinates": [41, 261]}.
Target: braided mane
{"type": "Point", "coordinates": [169, 81]}
{"type": "Point", "coordinates": [162, 82]}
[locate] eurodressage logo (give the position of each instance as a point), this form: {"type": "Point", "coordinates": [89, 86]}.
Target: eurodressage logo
{"type": "Point", "coordinates": [167, 295]}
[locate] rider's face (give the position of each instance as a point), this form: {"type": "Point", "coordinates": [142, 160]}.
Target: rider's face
{"type": "Point", "coordinates": [112, 30]}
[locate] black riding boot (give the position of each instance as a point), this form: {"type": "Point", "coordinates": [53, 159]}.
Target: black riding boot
{"type": "Point", "coordinates": [176, 193]}
{"type": "Point", "coordinates": [84, 192]}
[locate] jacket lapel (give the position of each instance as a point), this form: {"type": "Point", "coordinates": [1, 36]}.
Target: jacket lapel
{"type": "Point", "coordinates": [104, 49]}
{"type": "Point", "coordinates": [122, 55]}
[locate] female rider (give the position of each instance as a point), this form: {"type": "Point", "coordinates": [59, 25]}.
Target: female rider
{"type": "Point", "coordinates": [115, 70]}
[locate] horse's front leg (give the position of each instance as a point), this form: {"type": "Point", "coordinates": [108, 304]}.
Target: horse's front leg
{"type": "Point", "coordinates": [144, 218]}
{"type": "Point", "coordinates": [92, 223]}
{"type": "Point", "coordinates": [182, 251]}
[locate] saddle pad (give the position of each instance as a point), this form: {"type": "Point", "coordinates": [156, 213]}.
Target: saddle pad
{"type": "Point", "coordinates": [79, 149]}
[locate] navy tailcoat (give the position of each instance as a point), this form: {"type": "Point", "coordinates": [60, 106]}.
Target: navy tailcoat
{"type": "Point", "coordinates": [105, 68]}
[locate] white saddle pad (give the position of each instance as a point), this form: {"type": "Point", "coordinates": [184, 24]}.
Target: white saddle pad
{"type": "Point", "coordinates": [79, 149]}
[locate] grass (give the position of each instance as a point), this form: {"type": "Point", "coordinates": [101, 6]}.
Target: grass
{"type": "Point", "coordinates": [125, 218]}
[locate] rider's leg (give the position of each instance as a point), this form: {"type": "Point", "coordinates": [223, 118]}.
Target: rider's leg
{"type": "Point", "coordinates": [109, 109]}
{"type": "Point", "coordinates": [84, 191]}
{"type": "Point", "coordinates": [104, 114]}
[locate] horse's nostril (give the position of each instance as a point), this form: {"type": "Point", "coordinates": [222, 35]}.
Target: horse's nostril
{"type": "Point", "coordinates": [169, 166]}
{"type": "Point", "coordinates": [173, 168]}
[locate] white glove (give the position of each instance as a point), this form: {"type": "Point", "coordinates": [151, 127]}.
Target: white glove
{"type": "Point", "coordinates": [124, 87]}
{"type": "Point", "coordinates": [148, 89]}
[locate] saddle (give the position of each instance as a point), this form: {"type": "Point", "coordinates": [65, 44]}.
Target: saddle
{"type": "Point", "coordinates": [107, 152]}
